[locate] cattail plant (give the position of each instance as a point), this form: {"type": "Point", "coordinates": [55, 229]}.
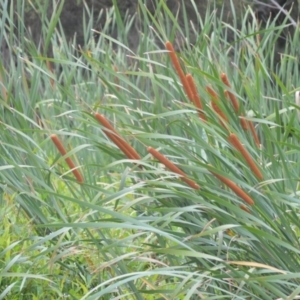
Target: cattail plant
{"type": "Point", "coordinates": [172, 167]}
{"type": "Point", "coordinates": [233, 139]}
{"type": "Point", "coordinates": [210, 211]}
{"type": "Point", "coordinates": [116, 138]}
{"type": "Point", "coordinates": [68, 160]}
{"type": "Point", "coordinates": [234, 188]}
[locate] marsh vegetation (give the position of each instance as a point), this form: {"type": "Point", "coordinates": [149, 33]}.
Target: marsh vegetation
{"type": "Point", "coordinates": [167, 170]}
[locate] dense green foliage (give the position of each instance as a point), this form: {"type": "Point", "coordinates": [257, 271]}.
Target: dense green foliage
{"type": "Point", "coordinates": [133, 229]}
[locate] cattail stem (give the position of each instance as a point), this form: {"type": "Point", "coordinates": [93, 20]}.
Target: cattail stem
{"type": "Point", "coordinates": [236, 189]}
{"type": "Point", "coordinates": [50, 68]}
{"type": "Point", "coordinates": [178, 69]}
{"type": "Point", "coordinates": [196, 98]}
{"type": "Point", "coordinates": [172, 167]}
{"type": "Point", "coordinates": [68, 160]}
{"type": "Point", "coordinates": [233, 139]}
{"type": "Point", "coordinates": [112, 134]}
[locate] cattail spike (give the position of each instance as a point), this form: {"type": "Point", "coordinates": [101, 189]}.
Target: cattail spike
{"type": "Point", "coordinates": [215, 105]}
{"type": "Point", "coordinates": [254, 134]}
{"type": "Point", "coordinates": [244, 123]}
{"type": "Point", "coordinates": [112, 134]}
{"type": "Point", "coordinates": [233, 139]}
{"type": "Point", "coordinates": [68, 160]}
{"type": "Point", "coordinates": [231, 96]}
{"type": "Point", "coordinates": [245, 208]}
{"type": "Point", "coordinates": [196, 98]}
{"type": "Point", "coordinates": [236, 189]}
{"type": "Point", "coordinates": [178, 69]}
{"type": "Point", "coordinates": [172, 167]}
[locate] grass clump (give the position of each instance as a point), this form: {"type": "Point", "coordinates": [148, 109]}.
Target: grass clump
{"type": "Point", "coordinates": [174, 176]}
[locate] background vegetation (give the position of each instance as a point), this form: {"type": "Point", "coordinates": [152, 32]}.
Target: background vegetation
{"type": "Point", "coordinates": [133, 229]}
